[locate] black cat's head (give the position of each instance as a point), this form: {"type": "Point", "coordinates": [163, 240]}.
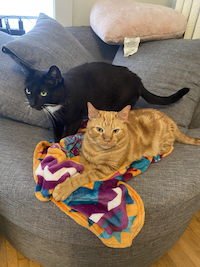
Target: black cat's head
{"type": "Point", "coordinates": [43, 87]}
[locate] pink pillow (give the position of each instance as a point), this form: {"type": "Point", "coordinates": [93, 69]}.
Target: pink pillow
{"type": "Point", "coordinates": [113, 20]}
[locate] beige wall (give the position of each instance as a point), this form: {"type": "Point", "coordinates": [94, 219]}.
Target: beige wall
{"type": "Point", "coordinates": [81, 9]}
{"type": "Point", "coordinates": [63, 12]}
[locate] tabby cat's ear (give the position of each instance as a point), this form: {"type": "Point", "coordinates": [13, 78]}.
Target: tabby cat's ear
{"type": "Point", "coordinates": [123, 114]}
{"type": "Point", "coordinates": [53, 76]}
{"type": "Point", "coordinates": [92, 112]}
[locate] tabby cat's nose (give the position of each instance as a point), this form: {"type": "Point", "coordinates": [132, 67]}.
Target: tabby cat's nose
{"type": "Point", "coordinates": [107, 140]}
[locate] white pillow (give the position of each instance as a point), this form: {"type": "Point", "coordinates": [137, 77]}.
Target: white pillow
{"type": "Point", "coordinates": [113, 20]}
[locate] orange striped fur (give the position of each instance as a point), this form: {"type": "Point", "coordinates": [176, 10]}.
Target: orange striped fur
{"type": "Point", "coordinates": [114, 139]}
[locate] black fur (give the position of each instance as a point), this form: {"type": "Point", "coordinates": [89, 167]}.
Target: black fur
{"type": "Point", "coordinates": [106, 86]}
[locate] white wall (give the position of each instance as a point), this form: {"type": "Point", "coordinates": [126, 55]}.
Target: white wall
{"type": "Point", "coordinates": [81, 9]}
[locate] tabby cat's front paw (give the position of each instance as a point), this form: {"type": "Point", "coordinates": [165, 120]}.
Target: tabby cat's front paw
{"type": "Point", "coordinates": [62, 191]}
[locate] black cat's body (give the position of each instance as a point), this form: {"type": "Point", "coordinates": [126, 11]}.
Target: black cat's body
{"type": "Point", "coordinates": [106, 86]}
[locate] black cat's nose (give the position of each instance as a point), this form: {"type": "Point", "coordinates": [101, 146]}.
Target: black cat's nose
{"type": "Point", "coordinates": [34, 105]}
{"type": "Point", "coordinates": [38, 108]}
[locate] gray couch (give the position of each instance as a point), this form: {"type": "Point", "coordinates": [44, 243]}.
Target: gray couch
{"type": "Point", "coordinates": [170, 189]}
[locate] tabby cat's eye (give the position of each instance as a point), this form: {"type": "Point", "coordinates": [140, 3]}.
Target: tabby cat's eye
{"type": "Point", "coordinates": [43, 93]}
{"type": "Point", "coordinates": [99, 129]}
{"type": "Point", "coordinates": [27, 91]}
{"type": "Point", "coordinates": [115, 131]}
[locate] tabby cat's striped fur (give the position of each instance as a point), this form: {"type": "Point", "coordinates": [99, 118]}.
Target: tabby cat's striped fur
{"type": "Point", "coordinates": [113, 139]}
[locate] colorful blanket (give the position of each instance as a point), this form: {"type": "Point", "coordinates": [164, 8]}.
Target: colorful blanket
{"type": "Point", "coordinates": [110, 208]}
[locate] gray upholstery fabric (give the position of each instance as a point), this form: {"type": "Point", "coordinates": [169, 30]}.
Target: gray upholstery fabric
{"type": "Point", "coordinates": [100, 50]}
{"type": "Point", "coordinates": [165, 67]}
{"type": "Point", "coordinates": [47, 44]}
{"type": "Point", "coordinates": [195, 122]}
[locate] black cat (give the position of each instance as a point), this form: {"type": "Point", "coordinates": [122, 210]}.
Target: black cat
{"type": "Point", "coordinates": [65, 96]}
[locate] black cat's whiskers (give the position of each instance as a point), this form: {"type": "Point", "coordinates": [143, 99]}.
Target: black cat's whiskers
{"type": "Point", "coordinates": [28, 108]}
{"type": "Point", "coordinates": [46, 112]}
{"type": "Point", "coordinates": [55, 116]}
{"type": "Point", "coordinates": [52, 108]}
{"type": "Point", "coordinates": [27, 104]}
{"type": "Point", "coordinates": [50, 105]}
{"type": "Point", "coordinates": [49, 115]}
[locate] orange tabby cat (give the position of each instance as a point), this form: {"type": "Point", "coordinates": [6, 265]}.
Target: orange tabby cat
{"type": "Point", "coordinates": [113, 139]}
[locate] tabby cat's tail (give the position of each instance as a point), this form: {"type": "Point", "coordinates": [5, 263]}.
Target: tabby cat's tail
{"type": "Point", "coordinates": [160, 100]}
{"type": "Point", "coordinates": [182, 138]}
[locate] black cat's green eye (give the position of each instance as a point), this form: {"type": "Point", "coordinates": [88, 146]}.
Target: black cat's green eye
{"type": "Point", "coordinates": [27, 91]}
{"type": "Point", "coordinates": [99, 129]}
{"type": "Point", "coordinates": [43, 93]}
{"type": "Point", "coordinates": [115, 131]}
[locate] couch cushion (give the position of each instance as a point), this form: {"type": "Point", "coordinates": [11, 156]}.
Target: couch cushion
{"type": "Point", "coordinates": [88, 38]}
{"type": "Point", "coordinates": [195, 122]}
{"type": "Point", "coordinates": [113, 20]}
{"type": "Point", "coordinates": [47, 44]}
{"type": "Point", "coordinates": [165, 67]}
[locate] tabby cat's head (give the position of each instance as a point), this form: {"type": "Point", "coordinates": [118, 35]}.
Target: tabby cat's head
{"type": "Point", "coordinates": [107, 129]}
{"type": "Point", "coordinates": [43, 87]}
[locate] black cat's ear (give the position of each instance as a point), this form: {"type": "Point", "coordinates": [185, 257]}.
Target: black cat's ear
{"type": "Point", "coordinates": [123, 114]}
{"type": "Point", "coordinates": [92, 112]}
{"type": "Point", "coordinates": [53, 76]}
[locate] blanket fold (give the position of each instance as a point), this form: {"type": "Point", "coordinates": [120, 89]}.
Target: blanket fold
{"type": "Point", "coordinates": [110, 208]}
